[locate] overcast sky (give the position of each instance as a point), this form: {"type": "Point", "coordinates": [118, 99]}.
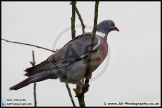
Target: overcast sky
{"type": "Point", "coordinates": [132, 67]}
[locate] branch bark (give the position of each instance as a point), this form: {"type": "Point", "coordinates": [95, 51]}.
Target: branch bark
{"type": "Point", "coordinates": [27, 45]}
{"type": "Point", "coordinates": [73, 19]}
{"type": "Point", "coordinates": [33, 64]}
{"type": "Point", "coordinates": [80, 18]}
{"type": "Point", "coordinates": [71, 97]}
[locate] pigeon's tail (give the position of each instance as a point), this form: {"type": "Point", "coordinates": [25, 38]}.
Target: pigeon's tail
{"type": "Point", "coordinates": [21, 84]}
{"type": "Point", "coordinates": [29, 80]}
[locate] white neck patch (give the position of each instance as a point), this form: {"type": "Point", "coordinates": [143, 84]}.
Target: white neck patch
{"type": "Point", "coordinates": [100, 34]}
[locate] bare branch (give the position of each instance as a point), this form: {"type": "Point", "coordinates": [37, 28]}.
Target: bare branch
{"type": "Point", "coordinates": [95, 19]}
{"type": "Point", "coordinates": [73, 19]}
{"type": "Point", "coordinates": [28, 45]}
{"type": "Point", "coordinates": [71, 97]}
{"type": "Point", "coordinates": [81, 20]}
{"type": "Point", "coordinates": [33, 64]}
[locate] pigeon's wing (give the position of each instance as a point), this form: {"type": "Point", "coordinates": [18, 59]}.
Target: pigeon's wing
{"type": "Point", "coordinates": [75, 50]}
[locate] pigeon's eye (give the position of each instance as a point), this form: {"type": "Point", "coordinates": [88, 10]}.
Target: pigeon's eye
{"type": "Point", "coordinates": [109, 23]}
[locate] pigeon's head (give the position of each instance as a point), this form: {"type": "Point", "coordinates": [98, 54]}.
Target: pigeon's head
{"type": "Point", "coordinates": [106, 26]}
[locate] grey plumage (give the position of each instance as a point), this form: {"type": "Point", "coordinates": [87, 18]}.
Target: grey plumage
{"type": "Point", "coordinates": [70, 62]}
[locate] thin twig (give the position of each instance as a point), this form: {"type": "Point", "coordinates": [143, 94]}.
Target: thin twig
{"type": "Point", "coordinates": [35, 99]}
{"type": "Point", "coordinates": [95, 19]}
{"type": "Point", "coordinates": [80, 18]}
{"type": "Point", "coordinates": [33, 64]}
{"type": "Point", "coordinates": [71, 97]}
{"type": "Point", "coordinates": [28, 45]}
{"type": "Point", "coordinates": [73, 19]}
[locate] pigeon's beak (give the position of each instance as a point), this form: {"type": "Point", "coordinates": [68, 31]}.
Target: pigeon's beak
{"type": "Point", "coordinates": [115, 28]}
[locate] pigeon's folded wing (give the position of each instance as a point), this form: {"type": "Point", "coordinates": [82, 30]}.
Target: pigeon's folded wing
{"type": "Point", "coordinates": [75, 50]}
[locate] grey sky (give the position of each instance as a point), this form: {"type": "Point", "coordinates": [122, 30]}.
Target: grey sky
{"type": "Point", "coordinates": [133, 73]}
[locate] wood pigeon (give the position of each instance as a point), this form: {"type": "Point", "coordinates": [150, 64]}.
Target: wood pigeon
{"type": "Point", "coordinates": [70, 62]}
